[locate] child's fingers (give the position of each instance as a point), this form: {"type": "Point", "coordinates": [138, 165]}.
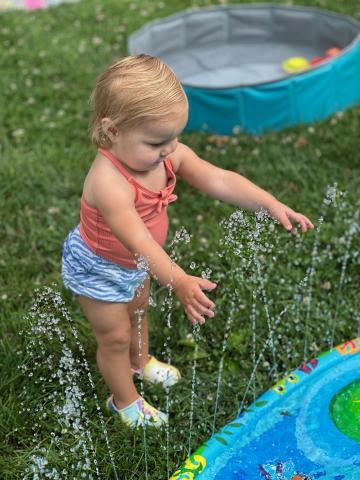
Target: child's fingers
{"type": "Point", "coordinates": [206, 284]}
{"type": "Point", "coordinates": [203, 300]}
{"type": "Point", "coordinates": [309, 223]}
{"type": "Point", "coordinates": [285, 221]}
{"type": "Point", "coordinates": [303, 221]}
{"type": "Point", "coordinates": [304, 224]}
{"type": "Point", "coordinates": [194, 316]}
{"type": "Point", "coordinates": [203, 309]}
{"type": "Point", "coordinates": [286, 216]}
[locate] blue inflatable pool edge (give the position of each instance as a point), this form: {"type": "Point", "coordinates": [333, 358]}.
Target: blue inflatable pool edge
{"type": "Point", "coordinates": [299, 99]}
{"type": "Point", "coordinates": [200, 464]}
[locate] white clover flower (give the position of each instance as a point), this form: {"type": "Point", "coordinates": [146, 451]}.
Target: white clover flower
{"type": "Point", "coordinates": [96, 40]}
{"type": "Point", "coordinates": [326, 285]}
{"type": "Point", "coordinates": [190, 337]}
{"type": "Point", "coordinates": [306, 300]}
{"type": "Point", "coordinates": [19, 132]}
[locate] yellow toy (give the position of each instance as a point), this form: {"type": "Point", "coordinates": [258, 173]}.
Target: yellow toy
{"type": "Point", "coordinates": [295, 64]}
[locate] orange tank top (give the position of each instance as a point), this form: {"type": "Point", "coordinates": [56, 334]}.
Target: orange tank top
{"type": "Point", "coordinates": [151, 207]}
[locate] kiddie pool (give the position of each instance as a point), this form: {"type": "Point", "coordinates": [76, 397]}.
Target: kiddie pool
{"type": "Point", "coordinates": [307, 427]}
{"type": "Point", "coordinates": [229, 60]}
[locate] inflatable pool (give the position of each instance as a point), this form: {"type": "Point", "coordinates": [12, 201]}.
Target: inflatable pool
{"type": "Point", "coordinates": [236, 62]}
{"type": "Point", "coordinates": [306, 427]}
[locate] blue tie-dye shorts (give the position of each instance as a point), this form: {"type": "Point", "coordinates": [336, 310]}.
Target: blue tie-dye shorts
{"type": "Point", "coordinates": [85, 273]}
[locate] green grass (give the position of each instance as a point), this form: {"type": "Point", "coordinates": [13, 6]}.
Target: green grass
{"type": "Point", "coordinates": [49, 60]}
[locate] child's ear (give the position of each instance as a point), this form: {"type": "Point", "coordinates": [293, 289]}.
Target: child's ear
{"type": "Point", "coordinates": [108, 128]}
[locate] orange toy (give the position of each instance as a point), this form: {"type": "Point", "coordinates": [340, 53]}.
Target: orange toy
{"type": "Point", "coordinates": [331, 52]}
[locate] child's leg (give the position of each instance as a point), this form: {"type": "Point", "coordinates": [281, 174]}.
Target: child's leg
{"type": "Point", "coordinates": [110, 323]}
{"type": "Point", "coordinates": [137, 309]}
{"type": "Point", "coordinates": [154, 371]}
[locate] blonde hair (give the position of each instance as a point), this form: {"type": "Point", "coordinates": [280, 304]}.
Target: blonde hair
{"type": "Point", "coordinates": [131, 91]}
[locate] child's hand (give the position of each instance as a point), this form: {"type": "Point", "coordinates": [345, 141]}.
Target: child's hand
{"type": "Point", "coordinates": [286, 216]}
{"type": "Point", "coordinates": [193, 299]}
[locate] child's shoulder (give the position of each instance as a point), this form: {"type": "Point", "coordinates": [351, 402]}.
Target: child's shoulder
{"type": "Point", "coordinates": [103, 179]}
{"type": "Point", "coordinates": [181, 154]}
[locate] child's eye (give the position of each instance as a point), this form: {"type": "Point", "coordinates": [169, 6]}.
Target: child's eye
{"type": "Point", "coordinates": [156, 145]}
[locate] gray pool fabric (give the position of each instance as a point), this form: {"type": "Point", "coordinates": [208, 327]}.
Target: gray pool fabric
{"type": "Point", "coordinates": [227, 47]}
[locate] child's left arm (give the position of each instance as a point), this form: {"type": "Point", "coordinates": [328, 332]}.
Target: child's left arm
{"type": "Point", "coordinates": [230, 187]}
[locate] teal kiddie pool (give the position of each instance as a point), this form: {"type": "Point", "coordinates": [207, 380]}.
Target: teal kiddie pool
{"type": "Point", "coordinates": [230, 62]}
{"type": "Point", "coordinates": [307, 427]}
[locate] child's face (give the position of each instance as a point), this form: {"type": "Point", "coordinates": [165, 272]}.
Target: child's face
{"type": "Point", "coordinates": [144, 147]}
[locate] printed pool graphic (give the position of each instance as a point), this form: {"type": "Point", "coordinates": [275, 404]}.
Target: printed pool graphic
{"type": "Point", "coordinates": [306, 427]}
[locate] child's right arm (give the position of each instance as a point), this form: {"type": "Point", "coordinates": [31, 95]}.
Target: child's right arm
{"type": "Point", "coordinates": [114, 197]}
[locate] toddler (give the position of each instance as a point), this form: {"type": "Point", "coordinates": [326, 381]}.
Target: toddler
{"type": "Point", "coordinates": [138, 111]}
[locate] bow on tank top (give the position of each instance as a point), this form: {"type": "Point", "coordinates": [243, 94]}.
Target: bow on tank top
{"type": "Point", "coordinates": [151, 207]}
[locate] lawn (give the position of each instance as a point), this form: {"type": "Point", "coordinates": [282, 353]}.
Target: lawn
{"type": "Point", "coordinates": [308, 284]}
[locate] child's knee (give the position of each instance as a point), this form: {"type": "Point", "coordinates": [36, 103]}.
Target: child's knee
{"type": "Point", "coordinates": [116, 340]}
